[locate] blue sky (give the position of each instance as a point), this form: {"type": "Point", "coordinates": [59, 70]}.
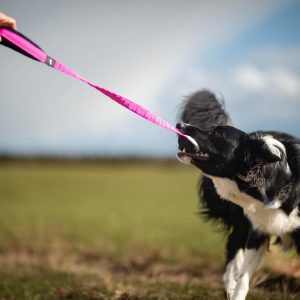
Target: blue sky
{"type": "Point", "coordinates": [155, 53]}
{"type": "Point", "coordinates": [279, 30]}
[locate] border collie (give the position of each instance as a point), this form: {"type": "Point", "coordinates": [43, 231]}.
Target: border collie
{"type": "Point", "coordinates": [250, 183]}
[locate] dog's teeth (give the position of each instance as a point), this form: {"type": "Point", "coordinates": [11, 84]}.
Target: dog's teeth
{"type": "Point", "coordinates": [203, 154]}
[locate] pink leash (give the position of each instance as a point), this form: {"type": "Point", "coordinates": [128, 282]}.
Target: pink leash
{"type": "Point", "coordinates": [22, 44]}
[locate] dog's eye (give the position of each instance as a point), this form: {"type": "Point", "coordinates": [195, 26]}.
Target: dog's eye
{"type": "Point", "coordinates": [215, 134]}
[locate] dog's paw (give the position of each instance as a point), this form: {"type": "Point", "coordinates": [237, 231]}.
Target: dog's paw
{"type": "Point", "coordinates": [229, 295]}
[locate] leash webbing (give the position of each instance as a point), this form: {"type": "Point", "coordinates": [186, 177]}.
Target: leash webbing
{"type": "Point", "coordinates": [17, 41]}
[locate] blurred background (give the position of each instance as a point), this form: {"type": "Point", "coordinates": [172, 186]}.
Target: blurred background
{"type": "Point", "coordinates": [93, 204]}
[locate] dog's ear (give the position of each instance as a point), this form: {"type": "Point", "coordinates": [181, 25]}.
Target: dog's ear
{"type": "Point", "coordinates": [264, 152]}
{"type": "Point", "coordinates": [269, 155]}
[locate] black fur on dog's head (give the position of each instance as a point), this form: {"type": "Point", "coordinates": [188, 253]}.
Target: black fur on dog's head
{"type": "Point", "coordinates": [256, 163]}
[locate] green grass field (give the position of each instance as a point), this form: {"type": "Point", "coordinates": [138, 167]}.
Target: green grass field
{"type": "Point", "coordinates": [97, 230]}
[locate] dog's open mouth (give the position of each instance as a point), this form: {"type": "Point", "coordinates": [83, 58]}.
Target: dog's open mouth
{"type": "Point", "coordinates": [198, 155]}
{"type": "Point", "coordinates": [190, 151]}
{"type": "Point", "coordinates": [187, 156]}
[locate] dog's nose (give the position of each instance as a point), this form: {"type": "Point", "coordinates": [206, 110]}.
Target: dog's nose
{"type": "Point", "coordinates": [180, 125]}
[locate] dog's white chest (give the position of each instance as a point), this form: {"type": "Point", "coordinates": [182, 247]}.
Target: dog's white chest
{"type": "Point", "coordinates": [273, 221]}
{"type": "Point", "coordinates": [268, 220]}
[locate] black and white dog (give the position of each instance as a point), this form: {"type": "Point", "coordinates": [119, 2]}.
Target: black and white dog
{"type": "Point", "coordinates": [251, 183]}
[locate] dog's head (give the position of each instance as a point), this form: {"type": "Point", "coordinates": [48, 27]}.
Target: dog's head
{"type": "Point", "coordinates": [257, 162]}
{"type": "Point", "coordinates": [220, 149]}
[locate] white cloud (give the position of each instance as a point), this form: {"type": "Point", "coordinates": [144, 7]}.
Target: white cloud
{"type": "Point", "coordinates": [287, 83]}
{"type": "Point", "coordinates": [275, 82]}
{"type": "Point", "coordinates": [250, 78]}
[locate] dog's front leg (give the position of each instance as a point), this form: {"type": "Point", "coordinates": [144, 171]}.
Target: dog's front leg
{"type": "Point", "coordinates": [255, 249]}
{"type": "Point", "coordinates": [235, 246]}
{"type": "Point", "coordinates": [232, 272]}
